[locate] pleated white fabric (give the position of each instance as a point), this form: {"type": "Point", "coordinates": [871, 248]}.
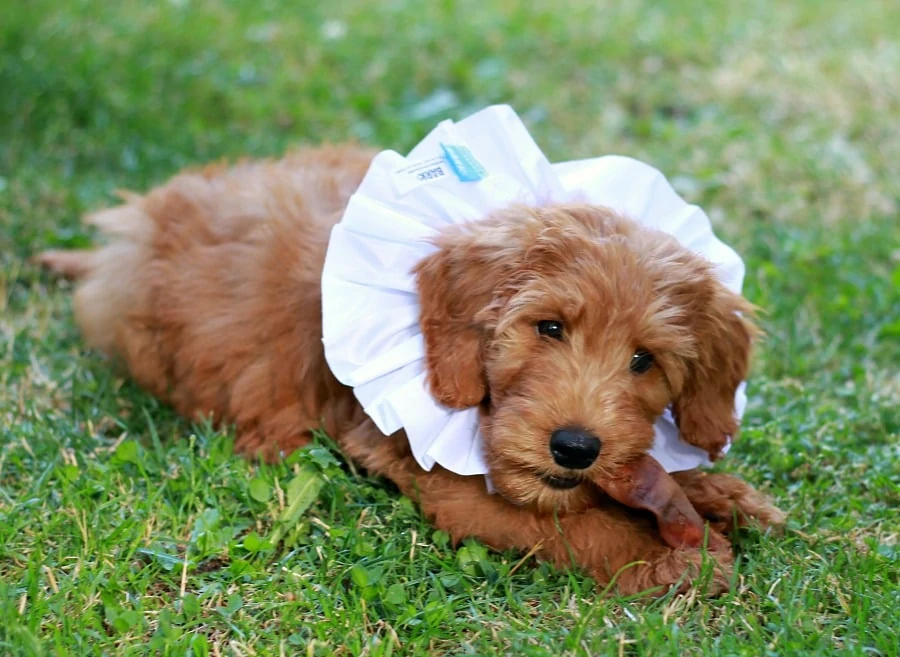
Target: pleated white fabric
{"type": "Point", "coordinates": [460, 173]}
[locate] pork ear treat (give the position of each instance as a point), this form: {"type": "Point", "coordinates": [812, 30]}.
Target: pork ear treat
{"type": "Point", "coordinates": [644, 484]}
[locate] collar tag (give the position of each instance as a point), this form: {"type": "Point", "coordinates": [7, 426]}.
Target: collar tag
{"type": "Point", "coordinates": [463, 163]}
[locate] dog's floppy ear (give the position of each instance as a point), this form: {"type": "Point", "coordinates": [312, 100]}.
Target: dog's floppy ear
{"type": "Point", "coordinates": [458, 289]}
{"type": "Point", "coordinates": [704, 409]}
{"type": "Point", "coordinates": [711, 342]}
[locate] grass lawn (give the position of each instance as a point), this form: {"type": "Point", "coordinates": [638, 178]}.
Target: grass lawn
{"type": "Point", "coordinates": [127, 531]}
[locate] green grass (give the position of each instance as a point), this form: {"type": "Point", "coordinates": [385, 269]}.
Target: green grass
{"type": "Point", "coordinates": [125, 530]}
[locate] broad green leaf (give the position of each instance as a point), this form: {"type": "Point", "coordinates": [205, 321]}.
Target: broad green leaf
{"type": "Point", "coordinates": [260, 489]}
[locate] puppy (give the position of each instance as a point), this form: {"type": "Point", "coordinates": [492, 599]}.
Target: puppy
{"type": "Point", "coordinates": [567, 324]}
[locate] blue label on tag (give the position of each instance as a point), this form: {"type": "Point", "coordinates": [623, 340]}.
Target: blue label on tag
{"type": "Point", "coordinates": [463, 163]}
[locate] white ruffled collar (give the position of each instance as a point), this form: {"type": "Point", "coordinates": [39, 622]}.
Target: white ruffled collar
{"type": "Point", "coordinates": [461, 172]}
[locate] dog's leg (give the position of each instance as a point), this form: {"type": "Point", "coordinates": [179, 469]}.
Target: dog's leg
{"type": "Point", "coordinates": [270, 428]}
{"type": "Point", "coordinates": [609, 543]}
{"type": "Point", "coordinates": [728, 502]}
{"type": "Point", "coordinates": [257, 442]}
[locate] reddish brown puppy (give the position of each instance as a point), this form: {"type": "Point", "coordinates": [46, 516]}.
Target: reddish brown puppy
{"type": "Point", "coordinates": [570, 327]}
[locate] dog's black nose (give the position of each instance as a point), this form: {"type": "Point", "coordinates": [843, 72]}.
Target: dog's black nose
{"type": "Point", "coordinates": [574, 448]}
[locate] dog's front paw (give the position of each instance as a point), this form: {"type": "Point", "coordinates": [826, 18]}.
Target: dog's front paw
{"type": "Point", "coordinates": [727, 502]}
{"type": "Point", "coordinates": [709, 572]}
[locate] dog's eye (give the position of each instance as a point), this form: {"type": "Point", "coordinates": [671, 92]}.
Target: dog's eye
{"type": "Point", "coordinates": [641, 361]}
{"type": "Point", "coordinates": [551, 328]}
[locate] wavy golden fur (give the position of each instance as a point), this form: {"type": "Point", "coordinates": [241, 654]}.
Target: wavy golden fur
{"type": "Point", "coordinates": [208, 291]}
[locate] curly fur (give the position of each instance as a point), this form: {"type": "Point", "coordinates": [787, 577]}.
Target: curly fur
{"type": "Point", "coordinates": [208, 291]}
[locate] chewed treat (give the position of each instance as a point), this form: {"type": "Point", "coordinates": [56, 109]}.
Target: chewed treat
{"type": "Point", "coordinates": [644, 484]}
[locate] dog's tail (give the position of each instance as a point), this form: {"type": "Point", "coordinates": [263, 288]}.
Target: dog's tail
{"type": "Point", "coordinates": [111, 278]}
{"type": "Point", "coordinates": [73, 264]}
{"type": "Point", "coordinates": [118, 222]}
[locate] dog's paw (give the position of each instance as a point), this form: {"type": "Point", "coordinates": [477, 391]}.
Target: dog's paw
{"type": "Point", "coordinates": [709, 572]}
{"type": "Point", "coordinates": [729, 503]}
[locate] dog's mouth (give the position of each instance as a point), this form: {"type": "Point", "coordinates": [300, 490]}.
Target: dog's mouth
{"type": "Point", "coordinates": [561, 483]}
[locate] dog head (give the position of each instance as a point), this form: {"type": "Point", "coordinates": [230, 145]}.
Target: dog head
{"type": "Point", "coordinates": [573, 329]}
